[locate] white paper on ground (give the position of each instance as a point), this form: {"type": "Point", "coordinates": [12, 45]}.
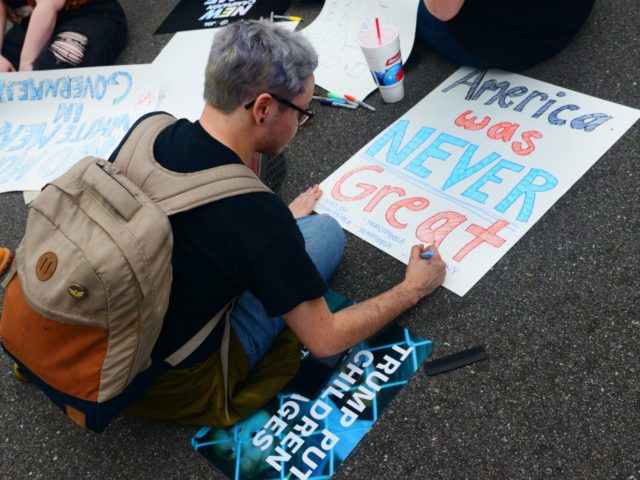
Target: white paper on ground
{"type": "Point", "coordinates": [335, 32]}
{"type": "Point", "coordinates": [471, 168]}
{"type": "Point", "coordinates": [51, 119]}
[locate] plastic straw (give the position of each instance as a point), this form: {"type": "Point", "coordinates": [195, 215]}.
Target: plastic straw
{"type": "Point", "coordinates": [378, 30]}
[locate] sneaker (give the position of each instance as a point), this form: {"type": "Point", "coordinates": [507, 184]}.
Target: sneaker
{"type": "Point", "coordinates": [271, 170]}
{"type": "Point", "coordinates": [5, 259]}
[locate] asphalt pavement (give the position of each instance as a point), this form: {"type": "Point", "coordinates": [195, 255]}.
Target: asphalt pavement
{"type": "Point", "coordinates": [559, 396]}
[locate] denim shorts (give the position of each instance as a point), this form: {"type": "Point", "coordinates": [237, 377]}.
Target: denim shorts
{"type": "Point", "coordinates": [324, 242]}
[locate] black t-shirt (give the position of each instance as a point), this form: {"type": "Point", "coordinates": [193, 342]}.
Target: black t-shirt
{"type": "Point", "coordinates": [516, 33]}
{"type": "Point", "coordinates": [247, 242]}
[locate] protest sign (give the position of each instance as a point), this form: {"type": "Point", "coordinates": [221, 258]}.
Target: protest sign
{"type": "Point", "coordinates": [471, 168]}
{"type": "Point", "coordinates": [301, 437]}
{"type": "Point", "coordinates": [197, 14]}
{"type": "Point", "coordinates": [334, 33]}
{"type": "Point", "coordinates": [51, 119]}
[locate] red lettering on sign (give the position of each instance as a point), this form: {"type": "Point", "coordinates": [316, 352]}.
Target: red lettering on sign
{"type": "Point", "coordinates": [383, 192]}
{"type": "Point", "coordinates": [502, 131]}
{"type": "Point", "coordinates": [367, 189]}
{"type": "Point", "coordinates": [470, 123]}
{"type": "Point", "coordinates": [482, 236]}
{"type": "Point", "coordinates": [526, 136]}
{"type": "Point", "coordinates": [414, 204]}
{"type": "Point", "coordinates": [436, 228]}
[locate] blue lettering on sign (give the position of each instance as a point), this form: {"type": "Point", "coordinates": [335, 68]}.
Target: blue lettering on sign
{"type": "Point", "coordinates": [7, 135]}
{"type": "Point", "coordinates": [477, 86]}
{"type": "Point", "coordinates": [553, 116]}
{"type": "Point", "coordinates": [474, 192]}
{"type": "Point", "coordinates": [78, 87]}
{"type": "Point", "coordinates": [589, 122]}
{"type": "Point", "coordinates": [14, 167]}
{"type": "Point", "coordinates": [58, 163]}
{"type": "Point", "coordinates": [487, 169]}
{"type": "Point", "coordinates": [36, 137]}
{"type": "Point", "coordinates": [528, 188]}
{"type": "Point", "coordinates": [462, 169]}
{"type": "Point", "coordinates": [39, 135]}
{"type": "Point", "coordinates": [66, 110]}
{"type": "Point", "coordinates": [395, 135]}
{"type": "Point", "coordinates": [416, 166]}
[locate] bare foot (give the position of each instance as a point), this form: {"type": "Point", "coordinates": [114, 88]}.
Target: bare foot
{"type": "Point", "coordinates": [303, 204]}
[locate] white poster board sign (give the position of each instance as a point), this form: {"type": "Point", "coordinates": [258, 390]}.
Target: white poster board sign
{"type": "Point", "coordinates": [334, 33]}
{"type": "Point", "coordinates": [51, 119]}
{"type": "Point", "coordinates": [471, 168]}
{"type": "Point", "coordinates": [180, 68]}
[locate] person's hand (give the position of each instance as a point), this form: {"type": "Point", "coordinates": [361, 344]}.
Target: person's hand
{"type": "Point", "coordinates": [423, 276]}
{"type": "Point", "coordinates": [304, 203]}
{"type": "Point", "coordinates": [5, 65]}
{"type": "Point", "coordinates": [26, 67]}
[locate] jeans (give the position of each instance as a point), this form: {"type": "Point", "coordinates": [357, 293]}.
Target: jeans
{"type": "Point", "coordinates": [438, 36]}
{"type": "Point", "coordinates": [88, 36]}
{"type": "Point", "coordinates": [256, 331]}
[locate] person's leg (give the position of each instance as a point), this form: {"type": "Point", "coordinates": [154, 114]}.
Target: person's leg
{"type": "Point", "coordinates": [93, 35]}
{"type": "Point", "coordinates": [324, 242]}
{"type": "Point", "coordinates": [437, 35]}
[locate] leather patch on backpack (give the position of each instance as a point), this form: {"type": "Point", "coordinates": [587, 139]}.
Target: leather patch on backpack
{"type": "Point", "coordinates": [46, 266]}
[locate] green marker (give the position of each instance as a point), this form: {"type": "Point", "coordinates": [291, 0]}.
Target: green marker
{"type": "Point", "coordinates": [335, 96]}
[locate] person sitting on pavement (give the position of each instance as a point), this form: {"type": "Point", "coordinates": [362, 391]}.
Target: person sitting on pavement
{"type": "Point", "coordinates": [273, 258]}
{"type": "Point", "coordinates": [51, 34]}
{"type": "Point", "coordinates": [511, 35]}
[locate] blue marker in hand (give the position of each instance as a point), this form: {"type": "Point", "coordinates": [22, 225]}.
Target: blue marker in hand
{"type": "Point", "coordinates": [427, 254]}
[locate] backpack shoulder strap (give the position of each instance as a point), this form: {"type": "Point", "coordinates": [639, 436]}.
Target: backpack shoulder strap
{"type": "Point", "coordinates": [192, 344]}
{"type": "Point", "coordinates": [176, 192]}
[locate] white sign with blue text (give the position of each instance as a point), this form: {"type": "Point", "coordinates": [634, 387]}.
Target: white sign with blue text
{"type": "Point", "coordinates": [51, 119]}
{"type": "Point", "coordinates": [471, 168]}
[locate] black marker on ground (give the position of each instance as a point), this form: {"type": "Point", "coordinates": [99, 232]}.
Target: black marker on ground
{"type": "Point", "coordinates": [455, 360]}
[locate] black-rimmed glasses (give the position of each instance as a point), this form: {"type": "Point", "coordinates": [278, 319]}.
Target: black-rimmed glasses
{"type": "Point", "coordinates": [304, 115]}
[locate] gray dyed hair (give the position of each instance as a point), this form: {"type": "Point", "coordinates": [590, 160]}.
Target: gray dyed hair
{"type": "Point", "coordinates": [251, 57]}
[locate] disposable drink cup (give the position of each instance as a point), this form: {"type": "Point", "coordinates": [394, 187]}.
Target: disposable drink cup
{"type": "Point", "coordinates": [385, 61]}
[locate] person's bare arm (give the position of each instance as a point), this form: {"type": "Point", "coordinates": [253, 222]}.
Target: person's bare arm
{"type": "Point", "coordinates": [5, 65]}
{"type": "Point", "coordinates": [41, 25]}
{"type": "Point", "coordinates": [325, 333]}
{"type": "Point", "coordinates": [444, 10]}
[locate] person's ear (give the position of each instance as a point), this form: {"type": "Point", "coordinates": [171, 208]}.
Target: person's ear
{"type": "Point", "coordinates": [262, 107]}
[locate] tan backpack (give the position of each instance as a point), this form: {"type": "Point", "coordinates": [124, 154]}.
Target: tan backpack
{"type": "Point", "coordinates": [89, 288]}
